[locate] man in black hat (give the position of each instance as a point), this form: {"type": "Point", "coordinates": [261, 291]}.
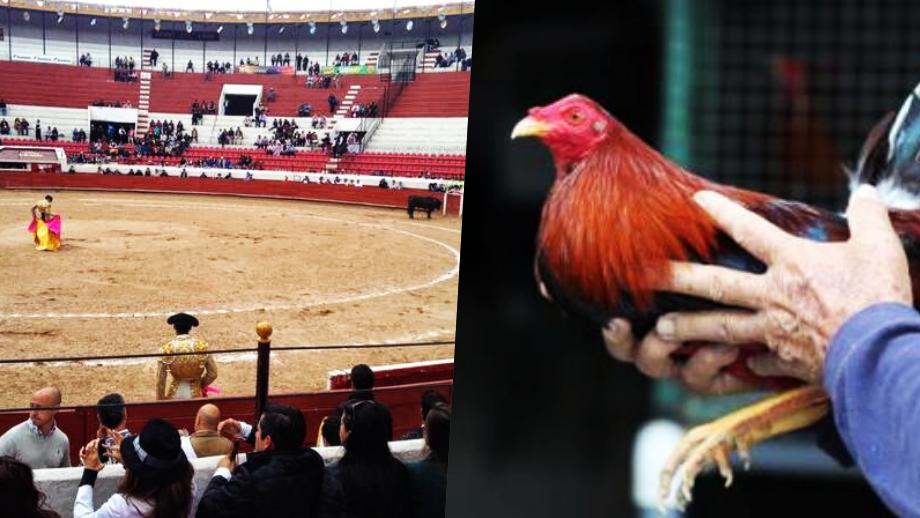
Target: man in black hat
{"type": "Point", "coordinates": [281, 479]}
{"type": "Point", "coordinates": [191, 373]}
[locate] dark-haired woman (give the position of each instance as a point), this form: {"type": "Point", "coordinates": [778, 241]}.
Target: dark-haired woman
{"type": "Point", "coordinates": [367, 482]}
{"type": "Point", "coordinates": [18, 494]}
{"type": "Point", "coordinates": [429, 475]}
{"type": "Point", "coordinates": [157, 481]}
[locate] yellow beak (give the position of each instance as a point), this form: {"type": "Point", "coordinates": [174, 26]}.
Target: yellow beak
{"type": "Point", "coordinates": [530, 127]}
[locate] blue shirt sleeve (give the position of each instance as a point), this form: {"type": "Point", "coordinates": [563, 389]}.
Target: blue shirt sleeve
{"type": "Point", "coordinates": [872, 373]}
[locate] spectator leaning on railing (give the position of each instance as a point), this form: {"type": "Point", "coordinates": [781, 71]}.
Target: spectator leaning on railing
{"type": "Point", "coordinates": [38, 441]}
{"type": "Point", "coordinates": [281, 479]}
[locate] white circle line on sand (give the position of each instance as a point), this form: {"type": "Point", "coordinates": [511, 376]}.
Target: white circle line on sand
{"type": "Point", "coordinates": [340, 299]}
{"type": "Point", "coordinates": [240, 357]}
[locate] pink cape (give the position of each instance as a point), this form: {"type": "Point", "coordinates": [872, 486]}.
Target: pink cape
{"type": "Point", "coordinates": [54, 225]}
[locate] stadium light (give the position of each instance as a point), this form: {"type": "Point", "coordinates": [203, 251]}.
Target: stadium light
{"type": "Point", "coordinates": [249, 28]}
{"type": "Point", "coordinates": [220, 29]}
{"type": "Point", "coordinates": [376, 27]}
{"type": "Point", "coordinates": [125, 24]}
{"type": "Point", "coordinates": [344, 26]}
{"type": "Point", "coordinates": [312, 28]}
{"type": "Point", "coordinates": [156, 24]}
{"type": "Point", "coordinates": [409, 25]}
{"type": "Point", "coordinates": [26, 15]}
{"type": "Point", "coordinates": [443, 23]}
{"type": "Point", "coordinates": [281, 30]}
{"type": "Point", "coordinates": [93, 22]}
{"type": "Point", "coordinates": [60, 16]}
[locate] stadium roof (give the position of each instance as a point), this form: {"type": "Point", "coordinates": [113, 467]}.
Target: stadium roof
{"type": "Point", "coordinates": [270, 5]}
{"type": "Point", "coordinates": [255, 11]}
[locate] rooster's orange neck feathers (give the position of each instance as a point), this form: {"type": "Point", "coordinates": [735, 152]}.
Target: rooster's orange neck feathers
{"type": "Point", "coordinates": [611, 226]}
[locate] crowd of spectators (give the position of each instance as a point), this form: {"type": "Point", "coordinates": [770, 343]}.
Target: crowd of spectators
{"type": "Point", "coordinates": [363, 110]}
{"type": "Point", "coordinates": [260, 116]}
{"type": "Point", "coordinates": [112, 104]}
{"type": "Point", "coordinates": [447, 60]}
{"type": "Point", "coordinates": [281, 477]}
{"type": "Point", "coordinates": [216, 67]}
{"type": "Point", "coordinates": [318, 122]}
{"type": "Point", "coordinates": [279, 60]}
{"type": "Point", "coordinates": [301, 62]}
{"type": "Point", "coordinates": [285, 138]}
{"type": "Point", "coordinates": [317, 80]}
{"type": "Point", "coordinates": [124, 70]}
{"type": "Point", "coordinates": [230, 137]}
{"type": "Point", "coordinates": [20, 127]}
{"type": "Point", "coordinates": [346, 59]}
{"type": "Point", "coordinates": [202, 108]}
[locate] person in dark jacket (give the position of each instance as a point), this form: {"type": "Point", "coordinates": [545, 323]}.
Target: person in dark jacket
{"type": "Point", "coordinates": [429, 476]}
{"type": "Point", "coordinates": [281, 479]}
{"type": "Point", "coordinates": [367, 482]}
{"type": "Point", "coordinates": [362, 385]}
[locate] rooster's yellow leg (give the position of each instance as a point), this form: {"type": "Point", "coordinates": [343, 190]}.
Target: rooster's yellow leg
{"type": "Point", "coordinates": [712, 443]}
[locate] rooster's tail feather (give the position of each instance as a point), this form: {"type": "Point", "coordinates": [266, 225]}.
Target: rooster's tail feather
{"type": "Point", "coordinates": [889, 157]}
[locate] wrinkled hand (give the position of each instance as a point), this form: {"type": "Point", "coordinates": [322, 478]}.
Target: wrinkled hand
{"type": "Point", "coordinates": [89, 456]}
{"type": "Point", "coordinates": [702, 372]}
{"type": "Point", "coordinates": [808, 291]}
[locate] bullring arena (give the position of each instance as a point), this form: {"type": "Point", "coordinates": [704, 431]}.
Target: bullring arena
{"type": "Point", "coordinates": [245, 164]}
{"type": "Point", "coordinates": [322, 274]}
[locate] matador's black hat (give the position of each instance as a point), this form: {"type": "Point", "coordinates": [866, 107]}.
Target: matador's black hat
{"type": "Point", "coordinates": [182, 320]}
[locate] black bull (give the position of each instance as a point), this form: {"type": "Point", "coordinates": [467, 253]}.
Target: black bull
{"type": "Point", "coordinates": [423, 203]}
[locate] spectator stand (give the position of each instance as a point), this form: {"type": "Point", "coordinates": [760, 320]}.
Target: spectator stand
{"type": "Point", "coordinates": [79, 421]}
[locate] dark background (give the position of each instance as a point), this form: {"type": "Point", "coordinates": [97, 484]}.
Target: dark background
{"type": "Point", "coordinates": [543, 419]}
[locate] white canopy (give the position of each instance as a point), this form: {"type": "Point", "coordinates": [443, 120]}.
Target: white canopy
{"type": "Point", "coordinates": [271, 5]}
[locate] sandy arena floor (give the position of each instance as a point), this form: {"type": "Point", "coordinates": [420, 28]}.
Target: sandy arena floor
{"type": "Point", "coordinates": [320, 273]}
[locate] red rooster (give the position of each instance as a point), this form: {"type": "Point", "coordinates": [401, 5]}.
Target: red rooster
{"type": "Point", "coordinates": [618, 214]}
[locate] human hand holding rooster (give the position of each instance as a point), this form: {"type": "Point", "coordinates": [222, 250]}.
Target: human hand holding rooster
{"type": "Point", "coordinates": [808, 291]}
{"type": "Point", "coordinates": [799, 303]}
{"type": "Point", "coordinates": [703, 372]}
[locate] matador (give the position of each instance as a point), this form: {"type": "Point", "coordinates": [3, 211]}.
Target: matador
{"type": "Point", "coordinates": [190, 373]}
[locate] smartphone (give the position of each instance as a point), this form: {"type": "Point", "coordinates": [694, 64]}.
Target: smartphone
{"type": "Point", "coordinates": [102, 446]}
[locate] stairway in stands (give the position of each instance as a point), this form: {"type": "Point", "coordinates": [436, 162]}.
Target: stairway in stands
{"type": "Point", "coordinates": [343, 110]}
{"type": "Point", "coordinates": [143, 105]}
{"type": "Point", "coordinates": [372, 58]}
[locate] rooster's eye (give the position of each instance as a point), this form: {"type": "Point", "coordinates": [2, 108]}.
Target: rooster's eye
{"type": "Point", "coordinates": [576, 116]}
